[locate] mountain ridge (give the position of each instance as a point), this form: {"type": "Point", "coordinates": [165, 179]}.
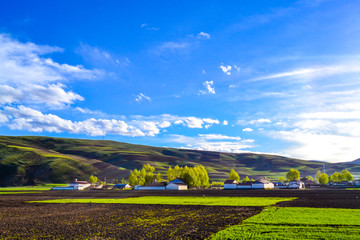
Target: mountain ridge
{"type": "Point", "coordinates": [33, 159]}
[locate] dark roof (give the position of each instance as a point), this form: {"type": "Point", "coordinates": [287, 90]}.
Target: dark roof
{"type": "Point", "coordinates": [264, 181]}
{"type": "Point", "coordinates": [178, 180]}
{"type": "Point", "coordinates": [230, 182]}
{"type": "Point", "coordinates": [245, 184]}
{"type": "Point", "coordinates": [156, 184]}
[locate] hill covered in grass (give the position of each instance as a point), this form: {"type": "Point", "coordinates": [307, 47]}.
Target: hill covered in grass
{"type": "Point", "coordinates": [28, 160]}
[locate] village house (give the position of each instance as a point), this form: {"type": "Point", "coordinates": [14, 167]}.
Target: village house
{"type": "Point", "coordinates": [152, 186]}
{"type": "Point", "coordinates": [230, 184]}
{"type": "Point", "coordinates": [296, 184]}
{"type": "Point", "coordinates": [76, 185]}
{"type": "Point", "coordinates": [176, 186]}
{"type": "Point", "coordinates": [246, 185]}
{"type": "Point", "coordinates": [259, 184]}
{"type": "Point", "coordinates": [122, 186]}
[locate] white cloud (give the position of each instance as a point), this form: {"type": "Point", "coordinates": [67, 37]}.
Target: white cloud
{"type": "Point", "coordinates": [226, 69]}
{"type": "Point", "coordinates": [225, 123]}
{"type": "Point", "coordinates": [171, 46]}
{"type": "Point", "coordinates": [142, 97]}
{"type": "Point", "coordinates": [203, 35]}
{"type": "Point", "coordinates": [315, 146]}
{"type": "Point", "coordinates": [209, 88]}
{"type": "Point", "coordinates": [25, 118]}
{"type": "Point", "coordinates": [320, 71]}
{"type": "Point", "coordinates": [248, 130]}
{"type": "Point", "coordinates": [26, 76]}
{"type": "Point", "coordinates": [218, 137]}
{"type": "Point", "coordinates": [213, 142]}
{"type": "Point", "coordinates": [260, 121]}
{"type": "Point", "coordinates": [237, 68]}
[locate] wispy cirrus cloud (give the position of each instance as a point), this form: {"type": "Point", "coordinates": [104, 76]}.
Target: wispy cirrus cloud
{"type": "Point", "coordinates": [314, 72]}
{"type": "Point", "coordinates": [142, 97]}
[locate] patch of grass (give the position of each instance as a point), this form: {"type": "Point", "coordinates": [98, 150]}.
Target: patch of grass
{"type": "Point", "coordinates": [16, 192]}
{"type": "Point", "coordinates": [352, 188]}
{"type": "Point", "coordinates": [297, 223]}
{"type": "Point", "coordinates": [211, 201]}
{"type": "Point", "coordinates": [43, 187]}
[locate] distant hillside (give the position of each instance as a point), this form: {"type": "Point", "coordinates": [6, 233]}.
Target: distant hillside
{"type": "Point", "coordinates": [25, 160]}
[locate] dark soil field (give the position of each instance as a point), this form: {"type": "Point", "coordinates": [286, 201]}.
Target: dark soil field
{"type": "Point", "coordinates": [21, 220]}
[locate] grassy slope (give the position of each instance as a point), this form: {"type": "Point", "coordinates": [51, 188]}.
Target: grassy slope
{"type": "Point", "coordinates": [297, 223]}
{"type": "Point", "coordinates": [115, 159]}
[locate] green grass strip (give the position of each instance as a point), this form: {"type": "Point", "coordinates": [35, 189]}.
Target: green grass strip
{"type": "Point", "coordinates": [211, 201]}
{"type": "Point", "coordinates": [43, 187]}
{"type": "Point", "coordinates": [297, 223]}
{"type": "Point", "coordinates": [7, 193]}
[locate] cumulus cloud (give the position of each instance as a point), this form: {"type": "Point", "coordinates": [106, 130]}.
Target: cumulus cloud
{"type": "Point", "coordinates": [248, 130]}
{"type": "Point", "coordinates": [260, 121]}
{"type": "Point", "coordinates": [209, 88]}
{"type": "Point", "coordinates": [25, 118]}
{"type": "Point", "coordinates": [142, 97]}
{"type": "Point", "coordinates": [203, 35]}
{"type": "Point", "coordinates": [226, 69]}
{"type": "Point", "coordinates": [26, 76]}
{"type": "Point", "coordinates": [225, 123]}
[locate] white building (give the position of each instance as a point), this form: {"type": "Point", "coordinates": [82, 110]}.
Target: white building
{"type": "Point", "coordinates": [152, 186]}
{"type": "Point", "coordinates": [296, 184]}
{"type": "Point", "coordinates": [262, 184]}
{"type": "Point", "coordinates": [76, 185]}
{"type": "Point", "coordinates": [176, 186]}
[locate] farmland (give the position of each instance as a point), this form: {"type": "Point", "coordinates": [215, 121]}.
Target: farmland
{"type": "Point", "coordinates": [311, 214]}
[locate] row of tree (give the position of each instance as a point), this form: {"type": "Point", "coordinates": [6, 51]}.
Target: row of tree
{"type": "Point", "coordinates": [193, 176]}
{"type": "Point", "coordinates": [294, 174]}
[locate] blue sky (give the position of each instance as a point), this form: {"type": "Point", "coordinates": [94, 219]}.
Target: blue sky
{"type": "Point", "coordinates": [279, 77]}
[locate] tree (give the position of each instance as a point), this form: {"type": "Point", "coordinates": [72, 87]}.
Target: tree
{"type": "Point", "coordinates": [170, 174]}
{"type": "Point", "coordinates": [317, 176]}
{"type": "Point", "coordinates": [281, 179]}
{"type": "Point", "coordinates": [159, 177]}
{"type": "Point", "coordinates": [293, 174]}
{"type": "Point", "coordinates": [335, 177]}
{"type": "Point", "coordinates": [93, 179]}
{"type": "Point", "coordinates": [133, 179]}
{"type": "Point", "coordinates": [234, 175]}
{"type": "Point", "coordinates": [246, 179]}
{"type": "Point", "coordinates": [345, 175]}
{"type": "Point", "coordinates": [323, 179]}
{"type": "Point", "coordinates": [310, 178]}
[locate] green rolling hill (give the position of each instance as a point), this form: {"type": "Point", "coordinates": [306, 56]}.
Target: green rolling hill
{"type": "Point", "coordinates": [29, 160]}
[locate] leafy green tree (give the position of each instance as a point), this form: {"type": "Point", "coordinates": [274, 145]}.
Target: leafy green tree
{"type": "Point", "coordinates": [246, 179]}
{"type": "Point", "coordinates": [317, 176]}
{"type": "Point", "coordinates": [345, 175]}
{"type": "Point", "coordinates": [93, 179]}
{"type": "Point", "coordinates": [133, 179]}
{"type": "Point", "coordinates": [293, 174]}
{"type": "Point", "coordinates": [159, 177]}
{"type": "Point", "coordinates": [335, 177]}
{"type": "Point", "coordinates": [324, 178]}
{"type": "Point", "coordinates": [234, 175]}
{"type": "Point", "coordinates": [170, 174]}
{"type": "Point", "coordinates": [310, 178]}
{"type": "Point", "coordinates": [281, 179]}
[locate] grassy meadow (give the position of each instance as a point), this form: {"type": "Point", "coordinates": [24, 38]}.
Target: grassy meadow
{"type": "Point", "coordinates": [297, 223]}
